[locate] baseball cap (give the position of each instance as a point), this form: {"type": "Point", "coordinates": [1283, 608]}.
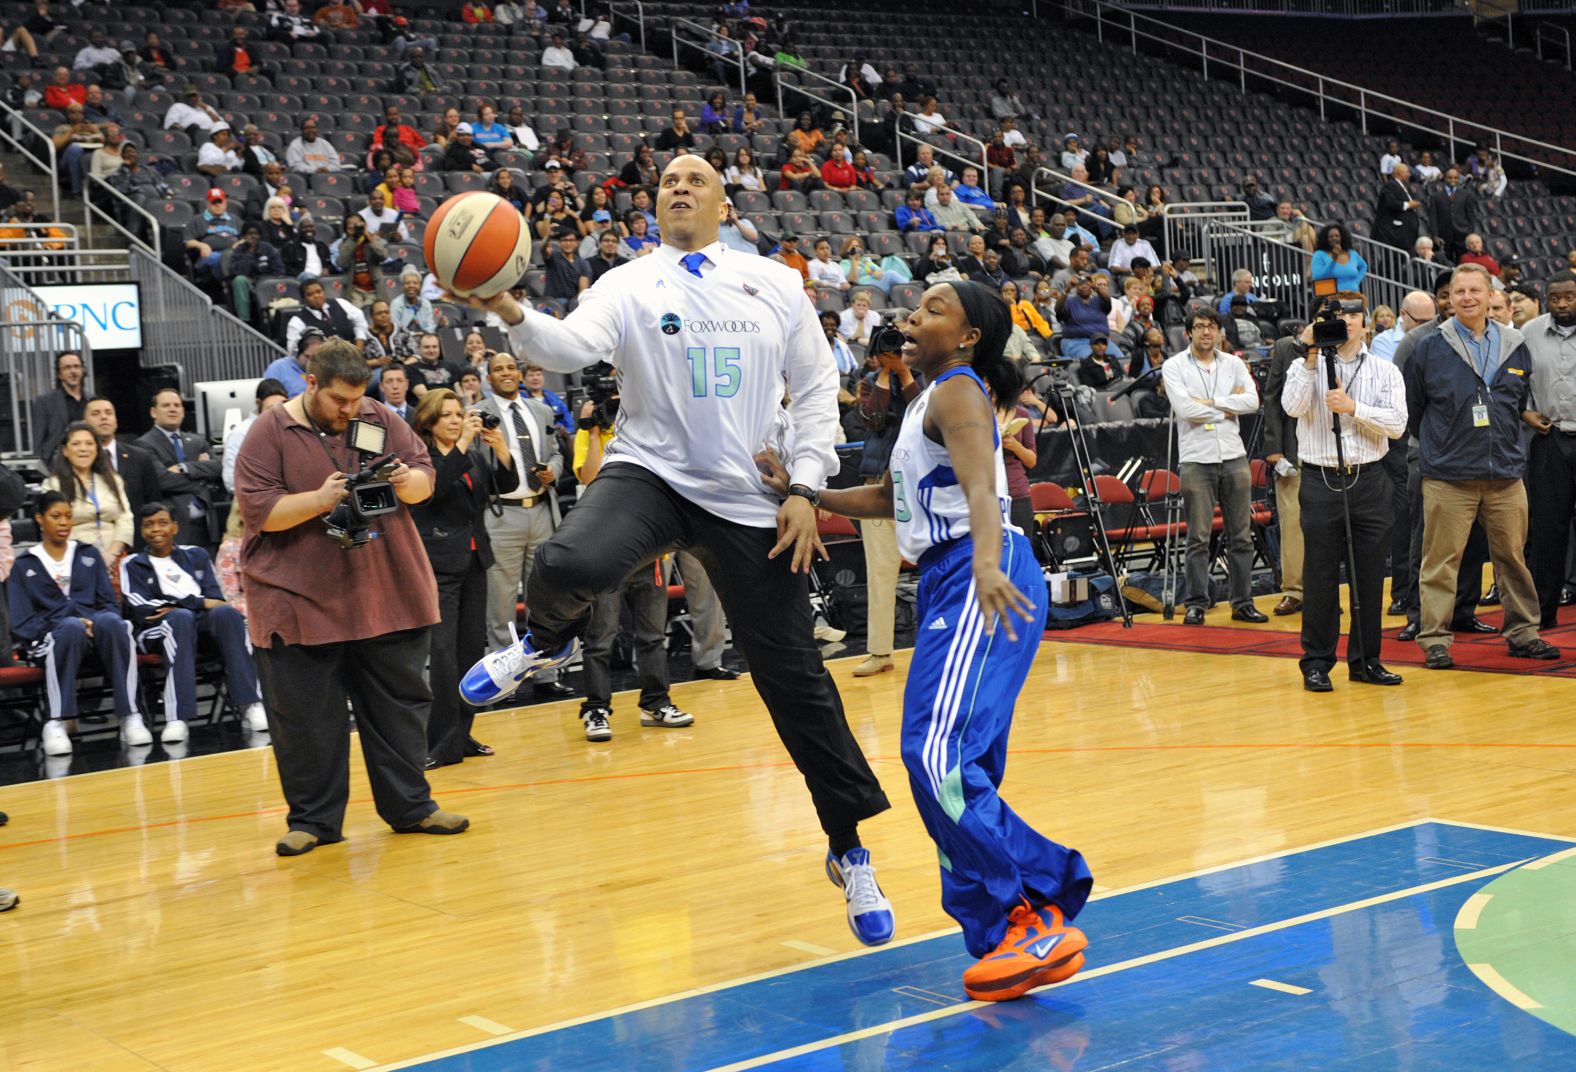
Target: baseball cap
{"type": "Point", "coordinates": [463, 128]}
{"type": "Point", "coordinates": [787, 236]}
{"type": "Point", "coordinates": [1070, 136]}
{"type": "Point", "coordinates": [190, 89]}
{"type": "Point", "coordinates": [553, 165]}
{"type": "Point", "coordinates": [307, 336]}
{"type": "Point", "coordinates": [215, 195]}
{"type": "Point", "coordinates": [1130, 229]}
{"type": "Point", "coordinates": [126, 46]}
{"type": "Point", "coordinates": [601, 215]}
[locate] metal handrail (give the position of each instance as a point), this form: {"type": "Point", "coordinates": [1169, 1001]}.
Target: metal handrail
{"type": "Point", "coordinates": [1333, 9]}
{"type": "Point", "coordinates": [639, 17]}
{"type": "Point", "coordinates": [1036, 194]}
{"type": "Point", "coordinates": [1501, 18]}
{"type": "Point", "coordinates": [738, 48]}
{"type": "Point", "coordinates": [983, 162]}
{"type": "Point", "coordinates": [185, 328]}
{"type": "Point", "coordinates": [1550, 29]}
{"type": "Point", "coordinates": [90, 208]}
{"type": "Point", "coordinates": [853, 109]}
{"type": "Point", "coordinates": [1291, 283]}
{"type": "Point", "coordinates": [51, 167]}
{"type": "Point", "coordinates": [29, 343]}
{"type": "Point", "coordinates": [1195, 44]}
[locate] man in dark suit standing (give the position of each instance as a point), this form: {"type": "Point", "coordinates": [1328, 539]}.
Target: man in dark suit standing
{"type": "Point", "coordinates": [190, 472]}
{"type": "Point", "coordinates": [1395, 216]}
{"type": "Point", "coordinates": [1280, 445]}
{"type": "Point", "coordinates": [138, 469]}
{"type": "Point", "coordinates": [1453, 208]}
{"type": "Point", "coordinates": [59, 406]}
{"type": "Point", "coordinates": [395, 389]}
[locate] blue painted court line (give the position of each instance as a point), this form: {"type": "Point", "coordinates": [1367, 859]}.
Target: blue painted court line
{"type": "Point", "coordinates": [809, 1006]}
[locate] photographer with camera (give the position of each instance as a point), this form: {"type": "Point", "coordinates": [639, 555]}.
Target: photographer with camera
{"type": "Point", "coordinates": [311, 502]}
{"type": "Point", "coordinates": [452, 529]}
{"type": "Point", "coordinates": [528, 514]}
{"type": "Point", "coordinates": [1337, 485]}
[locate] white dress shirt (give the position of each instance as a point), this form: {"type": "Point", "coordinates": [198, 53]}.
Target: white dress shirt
{"type": "Point", "coordinates": [1209, 433]}
{"type": "Point", "coordinates": [506, 407]}
{"type": "Point", "coordinates": [1374, 384]}
{"type": "Point", "coordinates": [704, 363]}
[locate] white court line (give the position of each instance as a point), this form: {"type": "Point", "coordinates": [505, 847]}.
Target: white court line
{"type": "Point", "coordinates": [1552, 858]}
{"type": "Point", "coordinates": [349, 1057]}
{"type": "Point", "coordinates": [810, 947]}
{"type": "Point", "coordinates": [1212, 924]}
{"type": "Point", "coordinates": [1500, 829]}
{"type": "Point", "coordinates": [1284, 988]}
{"type": "Point", "coordinates": [1467, 918]}
{"type": "Point", "coordinates": [1497, 983]}
{"type": "Point", "coordinates": [481, 1023]}
{"type": "Point", "coordinates": [1110, 969]}
{"type": "Point", "coordinates": [899, 943]}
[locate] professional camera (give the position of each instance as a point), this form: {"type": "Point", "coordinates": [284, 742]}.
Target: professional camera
{"type": "Point", "coordinates": [885, 339]}
{"type": "Point", "coordinates": [489, 420]}
{"type": "Point", "coordinates": [370, 494]}
{"type": "Point", "coordinates": [1329, 330]}
{"type": "Point", "coordinates": [599, 383]}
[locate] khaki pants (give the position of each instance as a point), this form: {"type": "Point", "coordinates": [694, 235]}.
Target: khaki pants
{"type": "Point", "coordinates": [882, 565]}
{"type": "Point", "coordinates": [1449, 509]}
{"type": "Point", "coordinates": [1288, 511]}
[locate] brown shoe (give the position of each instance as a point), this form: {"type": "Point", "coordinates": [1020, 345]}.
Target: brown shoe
{"type": "Point", "coordinates": [1287, 605]}
{"type": "Point", "coordinates": [301, 842]}
{"type": "Point", "coordinates": [872, 665]}
{"type": "Point", "coordinates": [439, 822]}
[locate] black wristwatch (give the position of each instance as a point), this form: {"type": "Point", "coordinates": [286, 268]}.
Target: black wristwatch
{"type": "Point", "coordinates": [804, 491]}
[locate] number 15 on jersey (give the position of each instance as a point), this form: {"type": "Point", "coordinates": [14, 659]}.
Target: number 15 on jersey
{"type": "Point", "coordinates": [715, 371]}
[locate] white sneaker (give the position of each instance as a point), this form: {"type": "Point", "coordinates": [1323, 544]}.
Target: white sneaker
{"type": "Point", "coordinates": [134, 731]}
{"type": "Point", "coordinates": [57, 742]}
{"type": "Point", "coordinates": [666, 715]}
{"type": "Point", "coordinates": [827, 633]}
{"type": "Point", "coordinates": [174, 732]}
{"type": "Point", "coordinates": [499, 673]}
{"type": "Point", "coordinates": [598, 722]}
{"type": "Point", "coordinates": [869, 911]}
{"type": "Point", "coordinates": [256, 718]}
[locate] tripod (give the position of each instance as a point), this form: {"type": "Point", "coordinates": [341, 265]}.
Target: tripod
{"type": "Point", "coordinates": [1168, 585]}
{"type": "Point", "coordinates": [1085, 462]}
{"type": "Point", "coordinates": [1356, 632]}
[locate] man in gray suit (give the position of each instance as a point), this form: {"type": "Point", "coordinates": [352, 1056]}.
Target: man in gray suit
{"type": "Point", "coordinates": [526, 516]}
{"type": "Point", "coordinates": [190, 473]}
{"type": "Point", "coordinates": [60, 405]}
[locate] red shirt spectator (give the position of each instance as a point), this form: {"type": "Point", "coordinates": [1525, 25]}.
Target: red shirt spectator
{"type": "Point", "coordinates": [475, 11]}
{"type": "Point", "coordinates": [1484, 258]}
{"type": "Point", "coordinates": [1001, 156]}
{"type": "Point", "coordinates": [404, 134]}
{"type": "Point", "coordinates": [839, 174]}
{"type": "Point", "coordinates": [62, 92]}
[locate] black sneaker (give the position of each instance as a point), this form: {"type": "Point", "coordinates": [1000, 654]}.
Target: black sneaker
{"type": "Point", "coordinates": [1438, 658]}
{"type": "Point", "coordinates": [1537, 649]}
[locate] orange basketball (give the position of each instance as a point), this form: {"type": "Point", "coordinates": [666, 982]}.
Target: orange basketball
{"type": "Point", "coordinates": [477, 244]}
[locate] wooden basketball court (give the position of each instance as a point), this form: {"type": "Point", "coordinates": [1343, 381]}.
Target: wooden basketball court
{"type": "Point", "coordinates": [158, 930]}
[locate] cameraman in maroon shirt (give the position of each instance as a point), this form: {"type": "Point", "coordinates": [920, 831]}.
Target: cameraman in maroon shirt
{"type": "Point", "coordinates": [326, 620]}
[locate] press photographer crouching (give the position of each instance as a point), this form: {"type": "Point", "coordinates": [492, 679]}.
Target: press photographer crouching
{"type": "Point", "coordinates": [452, 529]}
{"type": "Point", "coordinates": [340, 599]}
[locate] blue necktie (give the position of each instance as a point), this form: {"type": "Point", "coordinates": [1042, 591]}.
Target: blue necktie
{"type": "Point", "coordinates": [692, 263]}
{"type": "Point", "coordinates": [180, 449]}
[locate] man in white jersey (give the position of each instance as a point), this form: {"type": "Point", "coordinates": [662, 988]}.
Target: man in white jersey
{"type": "Point", "coordinates": [706, 342]}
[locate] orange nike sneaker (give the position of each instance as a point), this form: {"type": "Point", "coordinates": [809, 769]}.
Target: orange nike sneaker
{"type": "Point", "coordinates": [1039, 948]}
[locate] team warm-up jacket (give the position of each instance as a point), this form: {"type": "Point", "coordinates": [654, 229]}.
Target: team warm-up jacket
{"type": "Point", "coordinates": [37, 604]}
{"type": "Point", "coordinates": [140, 585]}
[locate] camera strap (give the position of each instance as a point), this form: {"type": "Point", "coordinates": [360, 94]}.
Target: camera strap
{"type": "Point", "coordinates": [322, 438]}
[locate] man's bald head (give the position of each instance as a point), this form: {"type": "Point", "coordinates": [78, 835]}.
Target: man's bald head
{"type": "Point", "coordinates": [1419, 306]}
{"type": "Point", "coordinates": [1402, 172]}
{"type": "Point", "coordinates": [690, 202]}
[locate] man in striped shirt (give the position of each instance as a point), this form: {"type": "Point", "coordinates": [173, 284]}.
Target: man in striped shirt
{"type": "Point", "coordinates": [1370, 405]}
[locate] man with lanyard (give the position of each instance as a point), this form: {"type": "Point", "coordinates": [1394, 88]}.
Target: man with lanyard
{"type": "Point", "coordinates": [1466, 390]}
{"type": "Point", "coordinates": [1208, 390]}
{"type": "Point", "coordinates": [1371, 404]}
{"type": "Point", "coordinates": [1551, 465]}
{"type": "Point", "coordinates": [706, 340]}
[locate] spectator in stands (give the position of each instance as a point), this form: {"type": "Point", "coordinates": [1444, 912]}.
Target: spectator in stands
{"type": "Point", "coordinates": [474, 13]}
{"type": "Point", "coordinates": [416, 77]}
{"type": "Point", "coordinates": [1427, 171]}
{"type": "Point", "coordinates": [394, 132]}
{"type": "Point", "coordinates": [100, 511]}
{"type": "Point", "coordinates": [190, 477]}
{"type": "Point", "coordinates": [859, 76]}
{"type": "Point", "coordinates": [210, 234]}
{"type": "Point", "coordinates": [62, 91]}
{"type": "Point", "coordinates": [952, 214]}
{"type": "Point", "coordinates": [1131, 247]}
{"type": "Point", "coordinates": [1524, 307]}
{"type": "Point", "coordinates": [1510, 271]}
{"type": "Point", "coordinates": [1476, 254]}
{"type": "Point", "coordinates": [912, 215]}
{"type": "Point", "coordinates": [309, 154]}
{"type": "Point", "coordinates": [567, 273]}
{"type": "Point", "coordinates": [138, 471]}
{"type": "Point", "coordinates": [256, 157]}
{"type": "Point", "coordinates": [838, 173]}
{"type": "Point", "coordinates": [749, 117]}
{"type": "Point", "coordinates": [20, 37]}
{"type": "Point", "coordinates": [526, 142]}
{"type": "Point", "coordinates": [805, 135]}
{"type": "Point", "coordinates": [863, 270]}
{"type": "Point", "coordinates": [990, 271]}
{"type": "Point", "coordinates": [95, 109]}
{"type": "Point", "coordinates": [1499, 308]}
{"type": "Point", "coordinates": [463, 154]}
{"type": "Point", "coordinates": [641, 170]}
{"type": "Point", "coordinates": [970, 192]}
{"type": "Point", "coordinates": [1390, 158]}
{"type": "Point", "coordinates": [61, 406]}
{"type": "Point", "coordinates": [387, 344]}
{"type": "Point", "coordinates": [306, 256]}
{"type": "Point", "coordinates": [678, 137]}
{"type": "Point", "coordinates": [358, 255]}
{"type": "Point", "coordinates": [641, 238]}
{"type": "Point", "coordinates": [533, 385]}
{"type": "Point", "coordinates": [336, 318]}
{"type": "Point", "coordinates": [191, 114]}
{"type": "Point", "coordinates": [723, 55]}
{"type": "Point", "coordinates": [824, 271]}
{"type": "Point", "coordinates": [607, 255]}
{"type": "Point", "coordinates": [555, 217]}
{"type": "Point", "coordinates": [382, 220]}
{"type": "Point", "coordinates": [172, 597]}
{"type": "Point", "coordinates": [1083, 313]}
{"type": "Point", "coordinates": [502, 184]}
{"type": "Point", "coordinates": [290, 369]}
{"type": "Point", "coordinates": [788, 253]}
{"type": "Point", "coordinates": [1024, 314]}
{"type": "Point", "coordinates": [136, 181]}
{"type": "Point", "coordinates": [217, 155]}
{"type": "Point", "coordinates": [858, 321]}
{"type": "Point", "coordinates": [1288, 225]}
{"type": "Point", "coordinates": [107, 159]}
{"type": "Point", "coordinates": [973, 258]}
{"type": "Point", "coordinates": [288, 24]}
{"type": "Point", "coordinates": [799, 173]}
{"type": "Point", "coordinates": [155, 54]}
{"type": "Point", "coordinates": [394, 391]}
{"type": "Point", "coordinates": [1020, 259]}
{"type": "Point", "coordinates": [930, 119]}
{"type": "Point", "coordinates": [742, 174]}
{"type": "Point", "coordinates": [489, 133]}
{"type": "Point", "coordinates": [1073, 152]}
{"type": "Point", "coordinates": [935, 265]}
{"type": "Point", "coordinates": [1261, 206]}
{"type": "Point", "coordinates": [61, 603]}
{"type": "Point", "coordinates": [245, 262]}
{"type": "Point", "coordinates": [1454, 212]}
{"type": "Point", "coordinates": [1005, 103]}
{"type": "Point", "coordinates": [429, 371]}
{"type": "Point", "coordinates": [75, 139]}
{"type": "Point", "coordinates": [919, 173]}
{"type": "Point", "coordinates": [737, 232]}
{"type": "Point", "coordinates": [1396, 220]}
{"type": "Point", "coordinates": [1241, 286]}
{"type": "Point", "coordinates": [337, 15]}
{"type": "Point", "coordinates": [1471, 472]}
{"type": "Point", "coordinates": [1334, 258]}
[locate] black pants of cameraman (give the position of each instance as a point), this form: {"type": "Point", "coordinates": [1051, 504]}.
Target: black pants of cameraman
{"type": "Point", "coordinates": [1324, 549]}
{"type": "Point", "coordinates": [304, 691]}
{"type": "Point", "coordinates": [628, 516]}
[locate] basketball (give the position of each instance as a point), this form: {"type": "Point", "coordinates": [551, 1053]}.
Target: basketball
{"type": "Point", "coordinates": [477, 244]}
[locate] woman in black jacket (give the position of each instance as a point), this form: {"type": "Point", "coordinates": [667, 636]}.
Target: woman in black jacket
{"type": "Point", "coordinates": [452, 530]}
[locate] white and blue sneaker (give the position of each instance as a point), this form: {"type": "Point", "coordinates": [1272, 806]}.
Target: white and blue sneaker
{"type": "Point", "coordinates": [498, 674]}
{"type": "Point", "coordinates": [869, 912]}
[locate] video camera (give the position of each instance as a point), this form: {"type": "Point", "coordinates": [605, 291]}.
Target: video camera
{"type": "Point", "coordinates": [1329, 330]}
{"type": "Point", "coordinates": [885, 339]}
{"type": "Point", "coordinates": [369, 493]}
{"type": "Point", "coordinates": [600, 385]}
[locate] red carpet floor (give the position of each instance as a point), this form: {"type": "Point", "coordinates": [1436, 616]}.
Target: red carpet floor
{"type": "Point", "coordinates": [1485, 652]}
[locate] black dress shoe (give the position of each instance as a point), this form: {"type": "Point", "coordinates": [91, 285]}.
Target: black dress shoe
{"type": "Point", "coordinates": [1194, 616]}
{"type": "Point", "coordinates": [552, 690]}
{"type": "Point", "coordinates": [1373, 674]}
{"type": "Point", "coordinates": [1248, 613]}
{"type": "Point", "coordinates": [434, 764]}
{"type": "Point", "coordinates": [716, 673]}
{"type": "Point", "coordinates": [1472, 625]}
{"type": "Point", "coordinates": [1537, 649]}
{"type": "Point", "coordinates": [1396, 608]}
{"type": "Point", "coordinates": [1408, 632]}
{"type": "Point", "coordinates": [1316, 681]}
{"type": "Point", "coordinates": [473, 747]}
{"type": "Point", "coordinates": [1491, 597]}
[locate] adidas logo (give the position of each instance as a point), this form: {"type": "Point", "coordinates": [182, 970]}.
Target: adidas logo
{"type": "Point", "coordinates": [939, 623]}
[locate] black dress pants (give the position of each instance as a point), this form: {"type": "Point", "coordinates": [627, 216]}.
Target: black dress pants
{"type": "Point", "coordinates": [625, 519]}
{"type": "Point", "coordinates": [304, 692]}
{"type": "Point", "coordinates": [1324, 549]}
{"type": "Point", "coordinates": [1400, 519]}
{"type": "Point", "coordinates": [458, 640]}
{"type": "Point", "coordinates": [1551, 499]}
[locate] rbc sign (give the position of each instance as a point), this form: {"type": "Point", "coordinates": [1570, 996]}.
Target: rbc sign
{"type": "Point", "coordinates": [110, 314]}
